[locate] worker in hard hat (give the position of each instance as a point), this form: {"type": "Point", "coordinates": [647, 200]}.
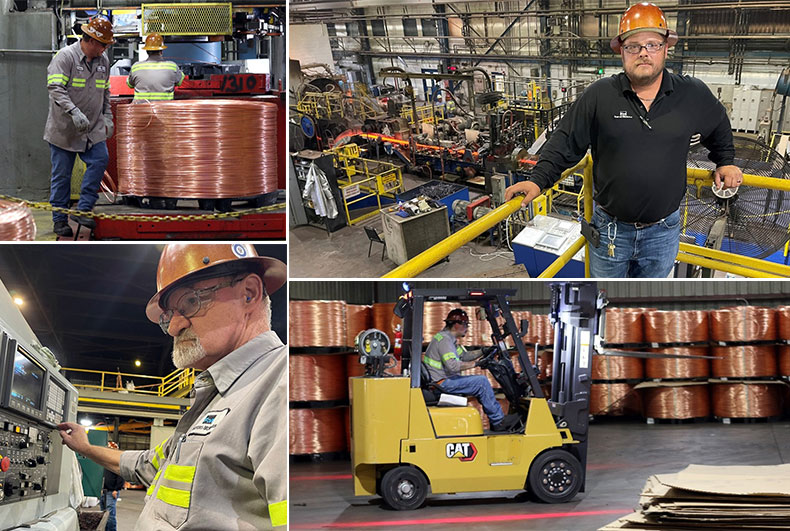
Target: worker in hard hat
{"type": "Point", "coordinates": [445, 358]}
{"type": "Point", "coordinates": [111, 488]}
{"type": "Point", "coordinates": [79, 120]}
{"type": "Point", "coordinates": [639, 124]}
{"type": "Point", "coordinates": [225, 467]}
{"type": "Point", "coordinates": [154, 79]}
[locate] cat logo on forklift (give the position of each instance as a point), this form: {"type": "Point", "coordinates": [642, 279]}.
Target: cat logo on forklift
{"type": "Point", "coordinates": [466, 451]}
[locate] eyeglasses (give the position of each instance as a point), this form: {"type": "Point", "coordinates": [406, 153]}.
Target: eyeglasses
{"type": "Point", "coordinates": [650, 47]}
{"type": "Point", "coordinates": [189, 304]}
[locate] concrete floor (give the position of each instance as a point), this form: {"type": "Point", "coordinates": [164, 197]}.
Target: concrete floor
{"type": "Point", "coordinates": [129, 508]}
{"type": "Point", "coordinates": [622, 455]}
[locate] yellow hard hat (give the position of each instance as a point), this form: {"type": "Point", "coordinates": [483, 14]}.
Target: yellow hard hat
{"type": "Point", "coordinates": [154, 41]}
{"type": "Point", "coordinates": [100, 29]}
{"type": "Point", "coordinates": [182, 262]}
{"type": "Point", "coordinates": [643, 17]}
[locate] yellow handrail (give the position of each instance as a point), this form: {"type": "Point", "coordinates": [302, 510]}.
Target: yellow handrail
{"type": "Point", "coordinates": [164, 385]}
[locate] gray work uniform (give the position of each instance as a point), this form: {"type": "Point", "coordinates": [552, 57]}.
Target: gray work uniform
{"type": "Point", "coordinates": [154, 79]}
{"type": "Point", "coordinates": [230, 468]}
{"type": "Point", "coordinates": [73, 81]}
{"type": "Point", "coordinates": [444, 356]}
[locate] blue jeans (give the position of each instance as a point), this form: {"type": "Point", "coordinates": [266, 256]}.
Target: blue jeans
{"type": "Point", "coordinates": [479, 387]}
{"type": "Point", "coordinates": [108, 504]}
{"type": "Point", "coordinates": [95, 159]}
{"type": "Point", "coordinates": [647, 252]}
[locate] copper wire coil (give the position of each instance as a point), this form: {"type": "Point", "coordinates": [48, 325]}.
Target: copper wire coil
{"type": "Point", "coordinates": [517, 317]}
{"type": "Point", "coordinates": [624, 325]}
{"type": "Point", "coordinates": [16, 222]}
{"type": "Point", "coordinates": [503, 403]}
{"type": "Point", "coordinates": [690, 326]}
{"type": "Point", "coordinates": [746, 400]}
{"type": "Point", "coordinates": [678, 367]}
{"type": "Point", "coordinates": [542, 330]}
{"type": "Point", "coordinates": [201, 148]}
{"type": "Point", "coordinates": [353, 366]}
{"type": "Point", "coordinates": [478, 371]}
{"type": "Point", "coordinates": [744, 361]}
{"type": "Point", "coordinates": [384, 319]}
{"type": "Point", "coordinates": [546, 365]}
{"type": "Point", "coordinates": [617, 368]}
{"type": "Point", "coordinates": [358, 319]}
{"type": "Point", "coordinates": [676, 402]}
{"type": "Point", "coordinates": [317, 377]}
{"type": "Point", "coordinates": [614, 399]}
{"type": "Point", "coordinates": [744, 323]}
{"type": "Point", "coordinates": [784, 360]}
{"type": "Point", "coordinates": [317, 324]}
{"type": "Point", "coordinates": [317, 431]}
{"type": "Point", "coordinates": [783, 322]}
{"type": "Point", "coordinates": [434, 314]}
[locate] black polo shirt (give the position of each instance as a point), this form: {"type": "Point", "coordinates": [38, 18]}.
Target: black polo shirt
{"type": "Point", "coordinates": [639, 157]}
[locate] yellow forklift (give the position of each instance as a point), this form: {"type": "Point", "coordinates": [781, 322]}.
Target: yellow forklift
{"type": "Point", "coordinates": [403, 444]}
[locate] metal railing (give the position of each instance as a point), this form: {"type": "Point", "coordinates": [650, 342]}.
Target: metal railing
{"type": "Point", "coordinates": [176, 381]}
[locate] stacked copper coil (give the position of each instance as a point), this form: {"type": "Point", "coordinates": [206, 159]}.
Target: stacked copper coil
{"type": "Point", "coordinates": [202, 148]}
{"type": "Point", "coordinates": [623, 325]}
{"type": "Point", "coordinates": [384, 319]}
{"type": "Point", "coordinates": [614, 399]}
{"type": "Point", "coordinates": [747, 400]}
{"type": "Point", "coordinates": [689, 326]}
{"type": "Point", "coordinates": [678, 367]}
{"type": "Point", "coordinates": [317, 431]}
{"type": "Point", "coordinates": [677, 401]}
{"type": "Point", "coordinates": [744, 323]}
{"type": "Point", "coordinates": [783, 327]}
{"type": "Point", "coordinates": [358, 320]}
{"type": "Point", "coordinates": [545, 365]}
{"type": "Point", "coordinates": [317, 324]}
{"type": "Point", "coordinates": [503, 403]}
{"type": "Point", "coordinates": [353, 366]}
{"type": "Point", "coordinates": [517, 317]}
{"type": "Point", "coordinates": [744, 361]}
{"type": "Point", "coordinates": [317, 377]}
{"type": "Point", "coordinates": [16, 222]}
{"type": "Point", "coordinates": [784, 360]}
{"type": "Point", "coordinates": [434, 314]}
{"type": "Point", "coordinates": [542, 331]}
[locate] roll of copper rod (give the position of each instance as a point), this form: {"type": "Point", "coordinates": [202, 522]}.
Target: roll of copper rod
{"type": "Point", "coordinates": [353, 366]}
{"type": "Point", "coordinates": [617, 368]}
{"type": "Point", "coordinates": [746, 400]}
{"type": "Point", "coordinates": [433, 318]}
{"type": "Point", "coordinates": [624, 325]}
{"type": "Point", "coordinates": [317, 377]}
{"type": "Point", "coordinates": [744, 323]}
{"type": "Point", "coordinates": [689, 326]}
{"type": "Point", "coordinates": [16, 222]}
{"type": "Point", "coordinates": [542, 329]}
{"type": "Point", "coordinates": [678, 367]}
{"type": "Point", "coordinates": [784, 360]}
{"type": "Point", "coordinates": [783, 322]}
{"type": "Point", "coordinates": [384, 319]}
{"type": "Point", "coordinates": [317, 431]}
{"type": "Point", "coordinates": [545, 365]}
{"type": "Point", "coordinates": [503, 403]}
{"type": "Point", "coordinates": [317, 324]}
{"type": "Point", "coordinates": [614, 399]}
{"type": "Point", "coordinates": [676, 402]}
{"type": "Point", "coordinates": [358, 318]}
{"type": "Point", "coordinates": [202, 148]}
{"type": "Point", "coordinates": [744, 361]}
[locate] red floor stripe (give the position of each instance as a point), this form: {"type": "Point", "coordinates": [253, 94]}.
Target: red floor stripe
{"type": "Point", "coordinates": [319, 478]}
{"type": "Point", "coordinates": [462, 519]}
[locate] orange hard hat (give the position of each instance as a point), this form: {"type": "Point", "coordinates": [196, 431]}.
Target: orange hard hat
{"type": "Point", "coordinates": [100, 29]}
{"type": "Point", "coordinates": [112, 444]}
{"type": "Point", "coordinates": [184, 262]}
{"type": "Point", "coordinates": [154, 41]}
{"type": "Point", "coordinates": [643, 17]}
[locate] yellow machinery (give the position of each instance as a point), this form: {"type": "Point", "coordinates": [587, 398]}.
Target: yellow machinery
{"type": "Point", "coordinates": [403, 444]}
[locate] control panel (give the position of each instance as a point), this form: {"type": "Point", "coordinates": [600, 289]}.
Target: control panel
{"type": "Point", "coordinates": [27, 464]}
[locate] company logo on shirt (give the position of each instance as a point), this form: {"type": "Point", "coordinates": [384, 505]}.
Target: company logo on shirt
{"type": "Point", "coordinates": [695, 139]}
{"type": "Point", "coordinates": [101, 68]}
{"type": "Point", "coordinates": [623, 114]}
{"type": "Point", "coordinates": [208, 422]}
{"type": "Point", "coordinates": [465, 451]}
{"type": "Point", "coordinates": [80, 68]}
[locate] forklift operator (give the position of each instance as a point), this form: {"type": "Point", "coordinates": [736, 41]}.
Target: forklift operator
{"type": "Point", "coordinates": [445, 359]}
{"type": "Point", "coordinates": [225, 466]}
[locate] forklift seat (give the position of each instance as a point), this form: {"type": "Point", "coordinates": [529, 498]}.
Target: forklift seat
{"type": "Point", "coordinates": [431, 391]}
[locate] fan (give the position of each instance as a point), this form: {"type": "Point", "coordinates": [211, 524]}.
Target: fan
{"type": "Point", "coordinates": [754, 222]}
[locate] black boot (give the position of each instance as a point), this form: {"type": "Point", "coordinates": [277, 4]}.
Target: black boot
{"type": "Point", "coordinates": [85, 221]}
{"type": "Point", "coordinates": [62, 229]}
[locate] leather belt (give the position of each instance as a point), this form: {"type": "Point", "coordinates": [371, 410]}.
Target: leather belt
{"type": "Point", "coordinates": [440, 381]}
{"type": "Point", "coordinates": [636, 224]}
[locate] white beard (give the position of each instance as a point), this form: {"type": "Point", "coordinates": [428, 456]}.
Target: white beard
{"type": "Point", "coordinates": [187, 353]}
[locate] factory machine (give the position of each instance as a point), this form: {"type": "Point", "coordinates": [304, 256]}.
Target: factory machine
{"type": "Point", "coordinates": [35, 468]}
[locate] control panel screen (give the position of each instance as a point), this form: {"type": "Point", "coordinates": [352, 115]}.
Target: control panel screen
{"type": "Point", "coordinates": [27, 384]}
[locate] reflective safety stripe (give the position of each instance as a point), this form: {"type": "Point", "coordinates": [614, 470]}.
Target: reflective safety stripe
{"type": "Point", "coordinates": [153, 484]}
{"type": "Point", "coordinates": [449, 356]}
{"type": "Point", "coordinates": [154, 66]}
{"type": "Point", "coordinates": [180, 473]}
{"type": "Point", "coordinates": [460, 350]}
{"type": "Point", "coordinates": [438, 337]}
{"type": "Point", "coordinates": [128, 84]}
{"type": "Point", "coordinates": [432, 362]}
{"type": "Point", "coordinates": [160, 454]}
{"type": "Point", "coordinates": [153, 95]}
{"type": "Point", "coordinates": [102, 83]}
{"type": "Point", "coordinates": [177, 497]}
{"type": "Point", "coordinates": [78, 82]}
{"type": "Point", "coordinates": [57, 79]}
{"type": "Point", "coordinates": [278, 513]}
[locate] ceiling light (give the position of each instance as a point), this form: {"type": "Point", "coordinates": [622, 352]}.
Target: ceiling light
{"type": "Point", "coordinates": [19, 301]}
{"type": "Point", "coordinates": [137, 363]}
{"type": "Point", "coordinates": [86, 422]}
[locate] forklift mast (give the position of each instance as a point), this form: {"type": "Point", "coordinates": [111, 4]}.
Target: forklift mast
{"type": "Point", "coordinates": [576, 313]}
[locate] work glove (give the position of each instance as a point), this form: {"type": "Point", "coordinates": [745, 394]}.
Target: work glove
{"type": "Point", "coordinates": [108, 123]}
{"type": "Point", "coordinates": [80, 120]}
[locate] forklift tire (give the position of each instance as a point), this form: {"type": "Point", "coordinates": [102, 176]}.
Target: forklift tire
{"type": "Point", "coordinates": [404, 488]}
{"type": "Point", "coordinates": [554, 477]}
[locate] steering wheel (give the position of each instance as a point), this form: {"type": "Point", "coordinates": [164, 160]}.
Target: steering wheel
{"type": "Point", "coordinates": [488, 357]}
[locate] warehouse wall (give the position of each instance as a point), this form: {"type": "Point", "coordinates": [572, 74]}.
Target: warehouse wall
{"type": "Point", "coordinates": [24, 155]}
{"type": "Point", "coordinates": [310, 44]}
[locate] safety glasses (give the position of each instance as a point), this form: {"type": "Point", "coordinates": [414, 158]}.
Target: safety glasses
{"type": "Point", "coordinates": [190, 303]}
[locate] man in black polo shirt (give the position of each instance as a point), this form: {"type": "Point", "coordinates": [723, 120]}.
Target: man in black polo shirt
{"type": "Point", "coordinates": [639, 124]}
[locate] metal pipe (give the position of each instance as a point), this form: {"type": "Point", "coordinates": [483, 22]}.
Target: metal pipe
{"type": "Point", "coordinates": [745, 261]}
{"type": "Point", "coordinates": [704, 177]}
{"type": "Point", "coordinates": [7, 50]}
{"type": "Point", "coordinates": [722, 266]}
{"type": "Point", "coordinates": [564, 258]}
{"type": "Point", "coordinates": [587, 190]}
